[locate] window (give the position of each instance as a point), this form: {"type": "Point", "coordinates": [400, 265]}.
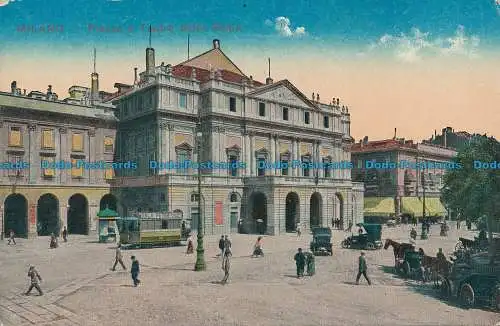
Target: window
{"type": "Point", "coordinates": [326, 121]}
{"type": "Point", "coordinates": [327, 167]}
{"type": "Point", "coordinates": [232, 104]}
{"type": "Point", "coordinates": [285, 158]}
{"type": "Point", "coordinates": [18, 171]}
{"type": "Point", "coordinates": [109, 173]}
{"type": "Point", "coordinates": [163, 198]}
{"type": "Point", "coordinates": [48, 139]}
{"type": "Point", "coordinates": [15, 139]}
{"type": "Point", "coordinates": [233, 168]}
{"type": "Point", "coordinates": [306, 171]}
{"type": "Point", "coordinates": [77, 142]}
{"type": "Point", "coordinates": [76, 168]}
{"type": "Point", "coordinates": [48, 164]}
{"type": "Point", "coordinates": [182, 156]}
{"type": "Point", "coordinates": [234, 198]}
{"type": "Point", "coordinates": [261, 166]}
{"type": "Point", "coordinates": [262, 109]}
{"type": "Point", "coordinates": [183, 100]}
{"type": "Point", "coordinates": [307, 117]}
{"type": "Point", "coordinates": [195, 198]}
{"type": "Point", "coordinates": [285, 114]}
{"type": "Point", "coordinates": [109, 144]}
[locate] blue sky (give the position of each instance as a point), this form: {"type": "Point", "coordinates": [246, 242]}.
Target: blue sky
{"type": "Point", "coordinates": [349, 23]}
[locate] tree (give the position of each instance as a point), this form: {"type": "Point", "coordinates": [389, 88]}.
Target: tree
{"type": "Point", "coordinates": [474, 192]}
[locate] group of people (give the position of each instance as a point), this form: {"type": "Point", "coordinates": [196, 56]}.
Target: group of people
{"type": "Point", "coordinates": [134, 269]}
{"type": "Point", "coordinates": [303, 260]}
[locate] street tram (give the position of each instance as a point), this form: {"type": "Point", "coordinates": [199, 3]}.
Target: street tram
{"type": "Point", "coordinates": [150, 229]}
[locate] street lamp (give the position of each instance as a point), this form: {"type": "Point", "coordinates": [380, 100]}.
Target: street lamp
{"type": "Point", "coordinates": [200, 251]}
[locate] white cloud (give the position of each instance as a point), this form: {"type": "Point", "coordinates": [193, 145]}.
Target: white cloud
{"type": "Point", "coordinates": [416, 45]}
{"type": "Point", "coordinates": [283, 26]}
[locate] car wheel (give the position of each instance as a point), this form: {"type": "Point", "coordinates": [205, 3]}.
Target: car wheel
{"type": "Point", "coordinates": [467, 296]}
{"type": "Point", "coordinates": [345, 244]}
{"type": "Point", "coordinates": [370, 246]}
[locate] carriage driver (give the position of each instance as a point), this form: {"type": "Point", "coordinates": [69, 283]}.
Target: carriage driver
{"type": "Point", "coordinates": [440, 255]}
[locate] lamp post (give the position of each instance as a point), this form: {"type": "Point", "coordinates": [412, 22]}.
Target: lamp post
{"type": "Point", "coordinates": [200, 251]}
{"type": "Point", "coordinates": [2, 227]}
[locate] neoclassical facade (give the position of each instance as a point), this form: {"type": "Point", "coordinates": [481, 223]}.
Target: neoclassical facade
{"type": "Point", "coordinates": [42, 139]}
{"type": "Point", "coordinates": [267, 151]}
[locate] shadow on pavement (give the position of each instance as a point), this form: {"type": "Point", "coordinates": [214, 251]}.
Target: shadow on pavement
{"type": "Point", "coordinates": [127, 286]}
{"type": "Point", "coordinates": [391, 270]}
{"type": "Point", "coordinates": [290, 276]}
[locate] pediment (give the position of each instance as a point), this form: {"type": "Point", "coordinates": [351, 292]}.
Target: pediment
{"type": "Point", "coordinates": [183, 147]}
{"type": "Point", "coordinates": [284, 93]}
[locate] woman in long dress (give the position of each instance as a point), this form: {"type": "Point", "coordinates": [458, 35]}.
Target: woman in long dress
{"type": "Point", "coordinates": [190, 246]}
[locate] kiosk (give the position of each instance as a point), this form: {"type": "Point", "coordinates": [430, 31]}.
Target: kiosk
{"type": "Point", "coordinates": [108, 229]}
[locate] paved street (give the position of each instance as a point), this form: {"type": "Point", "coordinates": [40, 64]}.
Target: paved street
{"type": "Point", "coordinates": [81, 290]}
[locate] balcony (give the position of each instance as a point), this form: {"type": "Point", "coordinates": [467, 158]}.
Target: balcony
{"type": "Point", "coordinates": [175, 180]}
{"type": "Point", "coordinates": [291, 181]}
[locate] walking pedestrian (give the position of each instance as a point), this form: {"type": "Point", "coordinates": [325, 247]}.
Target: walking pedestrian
{"type": "Point", "coordinates": [135, 270]}
{"type": "Point", "coordinates": [11, 237]}
{"type": "Point", "coordinates": [299, 231]}
{"type": "Point", "coordinates": [221, 246]}
{"type": "Point", "coordinates": [118, 258]}
{"type": "Point", "coordinates": [362, 270]}
{"type": "Point", "coordinates": [311, 268]}
{"type": "Point", "coordinates": [226, 265]}
{"type": "Point", "coordinates": [190, 246]}
{"type": "Point", "coordinates": [227, 244]}
{"type": "Point", "coordinates": [53, 241]}
{"type": "Point", "coordinates": [300, 262]}
{"type": "Point", "coordinates": [65, 234]}
{"type": "Point", "coordinates": [35, 279]}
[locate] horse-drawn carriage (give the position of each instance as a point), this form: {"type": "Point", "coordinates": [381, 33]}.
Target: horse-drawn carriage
{"type": "Point", "coordinates": [479, 244]}
{"type": "Point", "coordinates": [410, 266]}
{"type": "Point", "coordinates": [369, 237]}
{"type": "Point", "coordinates": [474, 281]}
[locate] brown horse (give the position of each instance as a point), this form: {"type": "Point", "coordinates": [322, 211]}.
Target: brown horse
{"type": "Point", "coordinates": [435, 267]}
{"type": "Point", "coordinates": [399, 248]}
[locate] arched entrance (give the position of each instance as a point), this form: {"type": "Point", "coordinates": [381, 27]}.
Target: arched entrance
{"type": "Point", "coordinates": [315, 208]}
{"type": "Point", "coordinates": [338, 209]}
{"type": "Point", "coordinates": [292, 212]}
{"type": "Point", "coordinates": [78, 214]}
{"type": "Point", "coordinates": [108, 201]}
{"type": "Point", "coordinates": [48, 215]}
{"type": "Point", "coordinates": [258, 202]}
{"type": "Point", "coordinates": [16, 215]}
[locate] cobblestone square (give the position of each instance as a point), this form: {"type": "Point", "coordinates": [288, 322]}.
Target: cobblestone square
{"type": "Point", "coordinates": [80, 289]}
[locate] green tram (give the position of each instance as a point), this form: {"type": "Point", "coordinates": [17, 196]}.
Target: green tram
{"type": "Point", "coordinates": [150, 229]}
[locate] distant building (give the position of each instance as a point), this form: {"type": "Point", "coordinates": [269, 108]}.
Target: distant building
{"type": "Point", "coordinates": [450, 138]}
{"type": "Point", "coordinates": [397, 173]}
{"type": "Point", "coordinates": [46, 134]}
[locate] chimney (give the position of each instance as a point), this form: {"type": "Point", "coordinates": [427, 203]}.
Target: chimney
{"type": "Point", "coordinates": [269, 81]}
{"type": "Point", "coordinates": [13, 87]}
{"type": "Point", "coordinates": [49, 92]}
{"type": "Point", "coordinates": [150, 61]}
{"type": "Point", "coordinates": [338, 101]}
{"type": "Point", "coordinates": [445, 132]}
{"type": "Point", "coordinates": [313, 97]}
{"type": "Point", "coordinates": [216, 44]}
{"type": "Point", "coordinates": [94, 89]}
{"type": "Point", "coordinates": [135, 76]}
{"type": "Point", "coordinates": [317, 98]}
{"type": "Point", "coordinates": [395, 133]}
{"type": "Point", "coordinates": [365, 140]}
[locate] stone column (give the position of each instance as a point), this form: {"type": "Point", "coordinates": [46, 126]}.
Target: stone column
{"type": "Point", "coordinates": [91, 152]}
{"type": "Point", "coordinates": [247, 153]}
{"type": "Point", "coordinates": [252, 156]}
{"type": "Point", "coordinates": [34, 170]}
{"type": "Point", "coordinates": [63, 215]}
{"type": "Point", "coordinates": [32, 212]}
{"type": "Point", "coordinates": [321, 168]}
{"type": "Point", "coordinates": [162, 127]}
{"type": "Point", "coordinates": [171, 145]}
{"type": "Point", "coordinates": [65, 174]}
{"type": "Point", "coordinates": [273, 153]}
{"type": "Point", "coordinates": [93, 210]}
{"type": "Point", "coordinates": [294, 156]}
{"type": "Point", "coordinates": [275, 144]}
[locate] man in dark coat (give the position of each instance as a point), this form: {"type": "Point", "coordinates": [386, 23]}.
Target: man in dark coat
{"type": "Point", "coordinates": [362, 269]}
{"type": "Point", "coordinates": [221, 246]}
{"type": "Point", "coordinates": [35, 279]}
{"type": "Point", "coordinates": [300, 262]}
{"type": "Point", "coordinates": [135, 270]}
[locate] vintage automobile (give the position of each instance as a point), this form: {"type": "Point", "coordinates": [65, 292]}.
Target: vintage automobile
{"type": "Point", "coordinates": [474, 281]}
{"type": "Point", "coordinates": [369, 238]}
{"type": "Point", "coordinates": [321, 243]}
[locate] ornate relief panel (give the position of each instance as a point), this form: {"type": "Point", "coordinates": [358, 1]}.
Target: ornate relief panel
{"type": "Point", "coordinates": [285, 147]}
{"type": "Point", "coordinates": [260, 144]}
{"type": "Point", "coordinates": [183, 138]}
{"type": "Point", "coordinates": [305, 149]}
{"type": "Point", "coordinates": [283, 95]}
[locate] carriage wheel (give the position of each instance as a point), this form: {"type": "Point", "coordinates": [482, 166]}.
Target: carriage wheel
{"type": "Point", "coordinates": [370, 246]}
{"type": "Point", "coordinates": [467, 297]}
{"type": "Point", "coordinates": [496, 299]}
{"type": "Point", "coordinates": [406, 269]}
{"type": "Point", "coordinates": [345, 244]}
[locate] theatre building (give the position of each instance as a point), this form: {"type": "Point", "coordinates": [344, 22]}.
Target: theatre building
{"type": "Point", "coordinates": [399, 191]}
{"type": "Point", "coordinates": [207, 109]}
{"type": "Point", "coordinates": [39, 132]}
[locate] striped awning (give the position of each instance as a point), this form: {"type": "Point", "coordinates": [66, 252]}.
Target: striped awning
{"type": "Point", "coordinates": [379, 206]}
{"type": "Point", "coordinates": [413, 206]}
{"type": "Point", "coordinates": [434, 207]}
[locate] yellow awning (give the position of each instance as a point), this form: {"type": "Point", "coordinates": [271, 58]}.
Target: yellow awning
{"type": "Point", "coordinates": [379, 206]}
{"type": "Point", "coordinates": [413, 205]}
{"type": "Point", "coordinates": [434, 207]}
